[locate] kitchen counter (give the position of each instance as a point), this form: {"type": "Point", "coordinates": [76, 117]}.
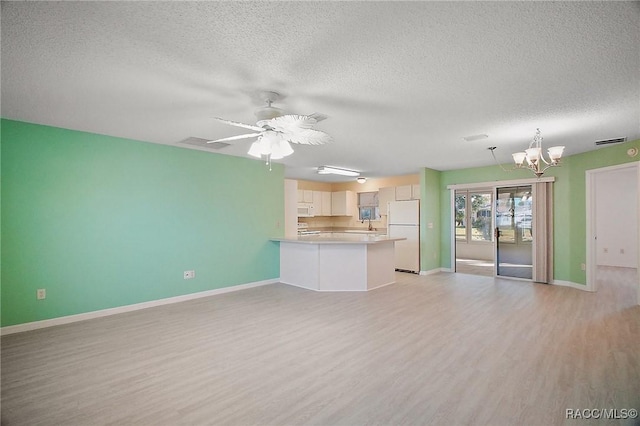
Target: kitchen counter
{"type": "Point", "coordinates": [337, 261]}
{"type": "Point", "coordinates": [338, 238]}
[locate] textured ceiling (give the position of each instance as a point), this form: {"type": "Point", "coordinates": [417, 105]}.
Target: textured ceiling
{"type": "Point", "coordinates": [401, 82]}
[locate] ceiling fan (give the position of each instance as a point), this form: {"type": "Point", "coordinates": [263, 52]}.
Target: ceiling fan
{"type": "Point", "coordinates": [276, 130]}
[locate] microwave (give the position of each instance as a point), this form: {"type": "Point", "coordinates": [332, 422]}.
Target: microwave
{"type": "Point", "coordinates": [305, 210]}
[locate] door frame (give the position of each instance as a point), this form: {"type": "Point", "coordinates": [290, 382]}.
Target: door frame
{"type": "Point", "coordinates": [496, 242]}
{"type": "Point", "coordinates": [493, 185]}
{"type": "Point", "coordinates": [591, 199]}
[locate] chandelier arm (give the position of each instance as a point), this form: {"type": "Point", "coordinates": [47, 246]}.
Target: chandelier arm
{"type": "Point", "coordinates": [545, 169]}
{"type": "Point", "coordinates": [544, 161]}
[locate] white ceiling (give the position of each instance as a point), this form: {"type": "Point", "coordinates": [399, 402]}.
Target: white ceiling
{"type": "Point", "coordinates": [401, 82]}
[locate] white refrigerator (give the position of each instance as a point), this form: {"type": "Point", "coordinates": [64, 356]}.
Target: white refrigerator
{"type": "Point", "coordinates": [403, 221]}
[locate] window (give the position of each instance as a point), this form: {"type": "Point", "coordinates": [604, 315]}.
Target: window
{"type": "Point", "coordinates": [368, 206]}
{"type": "Point", "coordinates": [461, 216]}
{"type": "Point", "coordinates": [473, 213]}
{"type": "Point", "coordinates": [514, 211]}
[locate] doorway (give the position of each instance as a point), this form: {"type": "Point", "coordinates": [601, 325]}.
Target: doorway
{"type": "Point", "coordinates": [513, 232]}
{"type": "Point", "coordinates": [613, 217]}
{"type": "Point", "coordinates": [474, 231]}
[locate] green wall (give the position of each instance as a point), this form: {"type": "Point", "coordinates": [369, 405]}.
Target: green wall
{"type": "Point", "coordinates": [102, 222]}
{"type": "Point", "coordinates": [569, 204]}
{"type": "Point", "coordinates": [430, 213]}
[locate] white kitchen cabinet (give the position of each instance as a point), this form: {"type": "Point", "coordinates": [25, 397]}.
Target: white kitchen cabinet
{"type": "Point", "coordinates": [321, 203]}
{"type": "Point", "coordinates": [403, 193]}
{"type": "Point", "coordinates": [385, 196]}
{"type": "Point", "coordinates": [290, 208]}
{"type": "Point", "coordinates": [326, 203]}
{"type": "Point", "coordinates": [317, 203]}
{"type": "Point", "coordinates": [415, 192]}
{"type": "Point", "coordinates": [305, 196]}
{"type": "Point", "coordinates": [343, 203]}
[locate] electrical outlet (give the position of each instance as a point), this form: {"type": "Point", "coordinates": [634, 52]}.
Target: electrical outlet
{"type": "Point", "coordinates": [583, 266]}
{"type": "Point", "coordinates": [41, 293]}
{"type": "Point", "coordinates": [621, 251]}
{"type": "Point", "coordinates": [189, 275]}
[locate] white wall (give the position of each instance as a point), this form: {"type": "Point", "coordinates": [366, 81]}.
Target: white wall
{"type": "Point", "coordinates": [616, 218]}
{"type": "Point", "coordinates": [290, 208]}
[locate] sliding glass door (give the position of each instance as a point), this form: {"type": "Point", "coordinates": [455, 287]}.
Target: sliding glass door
{"type": "Point", "coordinates": [474, 231]}
{"type": "Point", "coordinates": [513, 232]}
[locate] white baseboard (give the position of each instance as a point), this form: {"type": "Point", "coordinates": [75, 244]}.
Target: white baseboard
{"type": "Point", "coordinates": [435, 271]}
{"type": "Point", "coordinates": [28, 326]}
{"type": "Point", "coordinates": [571, 284]}
{"type": "Point", "coordinates": [337, 291]}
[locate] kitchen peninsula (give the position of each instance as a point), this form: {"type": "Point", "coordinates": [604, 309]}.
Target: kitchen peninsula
{"type": "Point", "coordinates": [337, 261]}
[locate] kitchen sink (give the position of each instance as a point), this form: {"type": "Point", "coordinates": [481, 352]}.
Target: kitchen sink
{"type": "Point", "coordinates": [362, 231]}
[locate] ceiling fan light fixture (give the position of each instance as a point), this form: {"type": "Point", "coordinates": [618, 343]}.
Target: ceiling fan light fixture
{"type": "Point", "coordinates": [329, 170]}
{"type": "Point", "coordinates": [255, 150]}
{"type": "Point", "coordinates": [280, 149]}
{"type": "Point", "coordinates": [271, 145]}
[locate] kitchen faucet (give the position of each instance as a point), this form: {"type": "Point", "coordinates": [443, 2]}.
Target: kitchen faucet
{"type": "Point", "coordinates": [370, 227]}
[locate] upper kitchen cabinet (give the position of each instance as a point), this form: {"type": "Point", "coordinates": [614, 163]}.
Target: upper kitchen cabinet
{"type": "Point", "coordinates": [385, 196]}
{"type": "Point", "coordinates": [321, 203]}
{"type": "Point", "coordinates": [326, 203]}
{"type": "Point", "coordinates": [305, 196]}
{"type": "Point", "coordinates": [403, 192]}
{"type": "Point", "coordinates": [407, 192]}
{"type": "Point", "coordinates": [317, 203]}
{"type": "Point", "coordinates": [415, 192]}
{"type": "Point", "coordinates": [343, 203]}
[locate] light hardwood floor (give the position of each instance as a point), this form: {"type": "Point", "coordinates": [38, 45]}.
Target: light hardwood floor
{"type": "Point", "coordinates": [475, 267]}
{"type": "Point", "coordinates": [444, 349]}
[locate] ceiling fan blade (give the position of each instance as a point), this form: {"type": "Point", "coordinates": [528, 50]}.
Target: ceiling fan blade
{"type": "Point", "coordinates": [308, 137]}
{"type": "Point", "coordinates": [292, 123]}
{"type": "Point", "coordinates": [238, 124]}
{"type": "Point", "coordinates": [233, 138]}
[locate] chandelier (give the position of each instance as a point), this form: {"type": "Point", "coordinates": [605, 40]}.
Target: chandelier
{"type": "Point", "coordinates": [534, 157]}
{"type": "Point", "coordinates": [535, 160]}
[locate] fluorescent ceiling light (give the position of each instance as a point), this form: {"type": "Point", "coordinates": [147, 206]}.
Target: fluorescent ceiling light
{"type": "Point", "coordinates": [328, 170]}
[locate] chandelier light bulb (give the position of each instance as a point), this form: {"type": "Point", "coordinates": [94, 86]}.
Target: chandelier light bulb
{"type": "Point", "coordinates": [555, 152]}
{"type": "Point", "coordinates": [519, 157]}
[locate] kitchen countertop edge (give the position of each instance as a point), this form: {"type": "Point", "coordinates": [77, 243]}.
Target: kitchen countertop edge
{"type": "Point", "coordinates": [311, 239]}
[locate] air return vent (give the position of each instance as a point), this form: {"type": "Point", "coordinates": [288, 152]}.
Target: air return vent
{"type": "Point", "coordinates": [203, 143]}
{"type": "Point", "coordinates": [610, 141]}
{"type": "Point", "coordinates": [475, 137]}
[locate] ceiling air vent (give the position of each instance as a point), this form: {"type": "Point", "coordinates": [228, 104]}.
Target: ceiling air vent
{"type": "Point", "coordinates": [610, 141]}
{"type": "Point", "coordinates": [203, 143]}
{"type": "Point", "coordinates": [475, 137]}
